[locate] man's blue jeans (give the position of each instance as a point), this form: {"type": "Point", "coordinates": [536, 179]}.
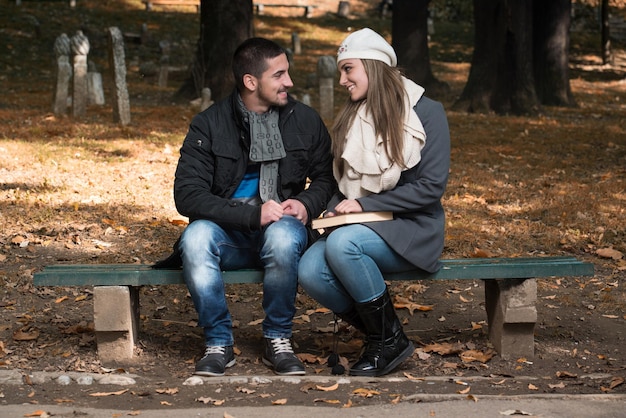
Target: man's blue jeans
{"type": "Point", "coordinates": [346, 267]}
{"type": "Point", "coordinates": [207, 250]}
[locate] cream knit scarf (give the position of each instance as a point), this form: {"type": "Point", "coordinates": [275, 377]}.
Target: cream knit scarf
{"type": "Point", "coordinates": [367, 168]}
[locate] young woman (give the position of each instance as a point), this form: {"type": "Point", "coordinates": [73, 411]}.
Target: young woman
{"type": "Point", "coordinates": [391, 147]}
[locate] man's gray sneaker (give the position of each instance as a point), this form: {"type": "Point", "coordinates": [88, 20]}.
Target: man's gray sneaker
{"type": "Point", "coordinates": [279, 355]}
{"type": "Point", "coordinates": [215, 361]}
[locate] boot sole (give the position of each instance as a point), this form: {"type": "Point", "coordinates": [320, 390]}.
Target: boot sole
{"type": "Point", "coordinates": [406, 353]}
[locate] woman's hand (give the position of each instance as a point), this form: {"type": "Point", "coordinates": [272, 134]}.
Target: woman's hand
{"type": "Point", "coordinates": [348, 206]}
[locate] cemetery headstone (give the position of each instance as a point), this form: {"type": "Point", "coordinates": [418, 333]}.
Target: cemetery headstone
{"type": "Point", "coordinates": [164, 64]}
{"type": "Point", "coordinates": [326, 69]}
{"type": "Point", "coordinates": [206, 99]}
{"type": "Point", "coordinates": [295, 43]}
{"type": "Point", "coordinates": [64, 74]}
{"type": "Point", "coordinates": [121, 102]}
{"type": "Point", "coordinates": [80, 49]}
{"type": "Point", "coordinates": [94, 85]}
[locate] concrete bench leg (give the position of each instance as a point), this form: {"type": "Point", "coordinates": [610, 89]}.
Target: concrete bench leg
{"type": "Point", "coordinates": [512, 314]}
{"type": "Point", "coordinates": [116, 317]}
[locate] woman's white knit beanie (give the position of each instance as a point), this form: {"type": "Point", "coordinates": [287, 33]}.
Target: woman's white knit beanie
{"type": "Point", "coordinates": [367, 44]}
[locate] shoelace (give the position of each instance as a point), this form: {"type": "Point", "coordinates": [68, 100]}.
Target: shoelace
{"type": "Point", "coordinates": [281, 345]}
{"type": "Point", "coordinates": [213, 349]}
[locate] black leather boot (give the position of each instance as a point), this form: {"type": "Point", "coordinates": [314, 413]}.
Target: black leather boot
{"type": "Point", "coordinates": [352, 317]}
{"type": "Point", "coordinates": [386, 346]}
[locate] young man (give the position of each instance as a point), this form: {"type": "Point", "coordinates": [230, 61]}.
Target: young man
{"type": "Point", "coordinates": [241, 179]}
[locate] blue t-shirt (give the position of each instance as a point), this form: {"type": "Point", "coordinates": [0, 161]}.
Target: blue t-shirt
{"type": "Point", "coordinates": [248, 190]}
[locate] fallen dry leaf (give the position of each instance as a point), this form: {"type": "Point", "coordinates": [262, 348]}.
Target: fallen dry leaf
{"type": "Point", "coordinates": [566, 375]}
{"type": "Point", "coordinates": [330, 401]}
{"type": "Point", "coordinates": [282, 401]}
{"type": "Point", "coordinates": [327, 388]}
{"type": "Point", "coordinates": [167, 391]}
{"type": "Point", "coordinates": [416, 288]}
{"type": "Point", "coordinates": [615, 382]}
{"type": "Point", "coordinates": [309, 358]}
{"type": "Point", "coordinates": [26, 334]}
{"type": "Point", "coordinates": [365, 393]}
{"type": "Point", "coordinates": [401, 302]}
{"type": "Point", "coordinates": [245, 390]}
{"type": "Point", "coordinates": [480, 253]}
{"type": "Point", "coordinates": [37, 413]}
{"type": "Point", "coordinates": [475, 355]}
{"type": "Point", "coordinates": [610, 253]}
{"type": "Point", "coordinates": [444, 348]}
{"type": "Point", "coordinates": [476, 325]}
{"type": "Point", "coordinates": [103, 394]}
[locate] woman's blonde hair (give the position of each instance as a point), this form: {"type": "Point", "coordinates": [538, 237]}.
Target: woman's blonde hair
{"type": "Point", "coordinates": [385, 102]}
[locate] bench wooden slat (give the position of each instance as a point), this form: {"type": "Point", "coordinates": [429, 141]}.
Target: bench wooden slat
{"type": "Point", "coordinates": [473, 268]}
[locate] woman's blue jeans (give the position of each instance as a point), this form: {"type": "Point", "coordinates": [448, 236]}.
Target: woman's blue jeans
{"type": "Point", "coordinates": [207, 250]}
{"type": "Point", "coordinates": [347, 266]}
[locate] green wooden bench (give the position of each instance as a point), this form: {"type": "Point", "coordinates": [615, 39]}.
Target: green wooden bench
{"type": "Point", "coordinates": [510, 295]}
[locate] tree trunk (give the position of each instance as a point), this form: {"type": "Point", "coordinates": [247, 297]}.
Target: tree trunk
{"type": "Point", "coordinates": [481, 82]}
{"type": "Point", "coordinates": [606, 33]}
{"type": "Point", "coordinates": [224, 24]}
{"type": "Point", "coordinates": [501, 77]}
{"type": "Point", "coordinates": [410, 41]}
{"type": "Point", "coordinates": [551, 51]}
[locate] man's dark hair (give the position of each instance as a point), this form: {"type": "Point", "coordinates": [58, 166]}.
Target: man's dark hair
{"type": "Point", "coordinates": [251, 58]}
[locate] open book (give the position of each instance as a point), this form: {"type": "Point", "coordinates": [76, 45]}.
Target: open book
{"type": "Point", "coordinates": [351, 218]}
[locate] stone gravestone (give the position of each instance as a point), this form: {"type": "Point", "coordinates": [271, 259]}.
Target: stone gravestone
{"type": "Point", "coordinates": [326, 69]}
{"type": "Point", "coordinates": [94, 85]}
{"type": "Point", "coordinates": [343, 10]}
{"type": "Point", "coordinates": [164, 64]}
{"type": "Point", "coordinates": [80, 49]}
{"type": "Point", "coordinates": [64, 74]}
{"type": "Point", "coordinates": [306, 99]}
{"type": "Point", "coordinates": [295, 43]}
{"type": "Point", "coordinates": [206, 99]}
{"type": "Point", "coordinates": [117, 64]}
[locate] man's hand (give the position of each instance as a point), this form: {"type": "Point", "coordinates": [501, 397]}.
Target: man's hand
{"type": "Point", "coordinates": [296, 209]}
{"type": "Point", "coordinates": [271, 211]}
